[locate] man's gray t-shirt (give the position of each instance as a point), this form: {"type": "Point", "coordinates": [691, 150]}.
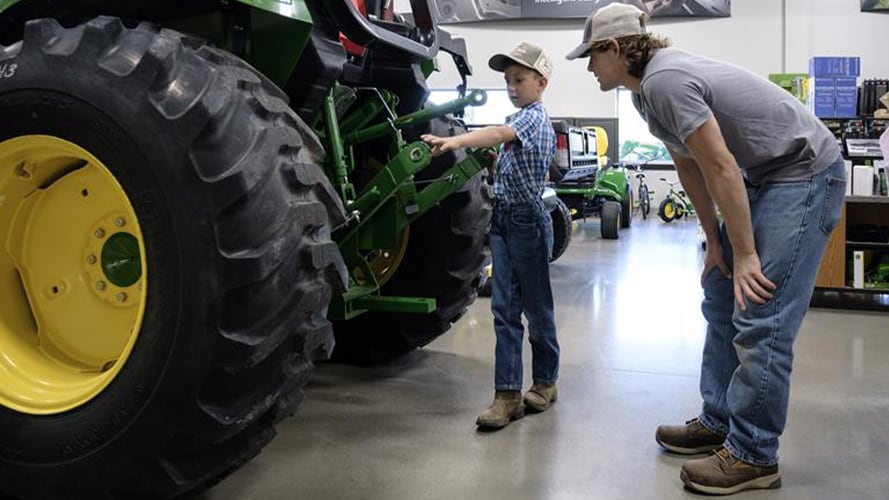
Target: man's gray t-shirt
{"type": "Point", "coordinates": [772, 136]}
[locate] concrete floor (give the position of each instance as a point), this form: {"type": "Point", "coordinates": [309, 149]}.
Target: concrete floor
{"type": "Point", "coordinates": [631, 333]}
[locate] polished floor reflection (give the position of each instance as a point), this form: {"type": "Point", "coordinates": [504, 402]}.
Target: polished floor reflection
{"type": "Point", "coordinates": [628, 315]}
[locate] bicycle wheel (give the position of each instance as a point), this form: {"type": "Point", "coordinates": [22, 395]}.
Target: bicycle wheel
{"type": "Point", "coordinates": [644, 201]}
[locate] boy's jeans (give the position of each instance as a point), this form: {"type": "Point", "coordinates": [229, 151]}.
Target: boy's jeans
{"type": "Point", "coordinates": [521, 240]}
{"type": "Point", "coordinates": [748, 356]}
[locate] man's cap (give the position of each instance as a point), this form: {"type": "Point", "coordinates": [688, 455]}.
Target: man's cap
{"type": "Point", "coordinates": [614, 21]}
{"type": "Point", "coordinates": [527, 55]}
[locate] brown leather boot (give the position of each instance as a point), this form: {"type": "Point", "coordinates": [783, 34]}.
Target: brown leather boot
{"type": "Point", "coordinates": [689, 439]}
{"type": "Point", "coordinates": [507, 406]}
{"type": "Point", "coordinates": [723, 474]}
{"type": "Point", "coordinates": [540, 397]}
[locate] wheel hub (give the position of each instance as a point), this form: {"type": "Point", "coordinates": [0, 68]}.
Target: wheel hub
{"type": "Point", "coordinates": [72, 267]}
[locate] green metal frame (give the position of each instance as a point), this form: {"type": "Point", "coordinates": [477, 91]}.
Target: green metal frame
{"type": "Point", "coordinates": [386, 205]}
{"type": "Point", "coordinates": [391, 201]}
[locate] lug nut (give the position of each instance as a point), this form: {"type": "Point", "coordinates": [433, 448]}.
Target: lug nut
{"type": "Point", "coordinates": [91, 259]}
{"type": "Point", "coordinates": [100, 285]}
{"type": "Point", "coordinates": [119, 222]}
{"type": "Point", "coordinates": [100, 233]}
{"type": "Point", "coordinates": [121, 297]}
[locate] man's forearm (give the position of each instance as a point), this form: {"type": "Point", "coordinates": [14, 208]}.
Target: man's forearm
{"type": "Point", "coordinates": [722, 176]}
{"type": "Point", "coordinates": [727, 188]}
{"type": "Point", "coordinates": [696, 188]}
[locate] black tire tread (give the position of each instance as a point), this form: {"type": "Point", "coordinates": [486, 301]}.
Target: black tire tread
{"type": "Point", "coordinates": [274, 279]}
{"type": "Point", "coordinates": [562, 225]}
{"type": "Point", "coordinates": [610, 220]}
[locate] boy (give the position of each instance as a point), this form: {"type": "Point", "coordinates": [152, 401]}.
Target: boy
{"type": "Point", "coordinates": [776, 173]}
{"type": "Point", "coordinates": [521, 237]}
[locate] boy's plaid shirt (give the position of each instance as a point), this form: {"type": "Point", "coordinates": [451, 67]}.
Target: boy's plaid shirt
{"type": "Point", "coordinates": [523, 163]}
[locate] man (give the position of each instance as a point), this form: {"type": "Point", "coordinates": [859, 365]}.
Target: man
{"type": "Point", "coordinates": [776, 174]}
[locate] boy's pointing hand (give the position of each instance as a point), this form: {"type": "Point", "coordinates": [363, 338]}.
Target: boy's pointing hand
{"type": "Point", "coordinates": [440, 144]}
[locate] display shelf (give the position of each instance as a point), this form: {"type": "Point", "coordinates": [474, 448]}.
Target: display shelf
{"type": "Point", "coordinates": [867, 244]}
{"type": "Point", "coordinates": [868, 199]}
{"type": "Point", "coordinates": [832, 284]}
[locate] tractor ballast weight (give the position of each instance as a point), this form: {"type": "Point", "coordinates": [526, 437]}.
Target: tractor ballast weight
{"type": "Point", "coordinates": [194, 200]}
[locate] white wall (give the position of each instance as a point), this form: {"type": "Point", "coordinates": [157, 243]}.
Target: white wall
{"type": "Point", "coordinates": [766, 36]}
{"type": "Point", "coordinates": [837, 28]}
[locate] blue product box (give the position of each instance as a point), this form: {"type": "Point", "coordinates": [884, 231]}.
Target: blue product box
{"type": "Point", "coordinates": [846, 101]}
{"type": "Point", "coordinates": [822, 86]}
{"type": "Point", "coordinates": [825, 110]}
{"type": "Point", "coordinates": [846, 82]}
{"type": "Point", "coordinates": [834, 66]}
{"type": "Point", "coordinates": [845, 110]}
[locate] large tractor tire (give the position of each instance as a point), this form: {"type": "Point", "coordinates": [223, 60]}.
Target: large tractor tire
{"type": "Point", "coordinates": [562, 225]}
{"type": "Point", "coordinates": [165, 263]}
{"type": "Point", "coordinates": [443, 257]}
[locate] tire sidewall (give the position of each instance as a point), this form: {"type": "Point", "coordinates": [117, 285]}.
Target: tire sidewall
{"type": "Point", "coordinates": [128, 138]}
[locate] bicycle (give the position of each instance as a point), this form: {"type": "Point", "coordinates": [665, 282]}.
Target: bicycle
{"type": "Point", "coordinates": [675, 204]}
{"type": "Point", "coordinates": [644, 195]}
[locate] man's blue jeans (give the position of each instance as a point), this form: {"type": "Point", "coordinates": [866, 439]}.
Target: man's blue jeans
{"type": "Point", "coordinates": [521, 240]}
{"type": "Point", "coordinates": [748, 355]}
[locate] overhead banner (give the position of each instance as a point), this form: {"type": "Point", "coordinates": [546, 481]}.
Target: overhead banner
{"type": "Point", "coordinates": [468, 11]}
{"type": "Point", "coordinates": [872, 5]}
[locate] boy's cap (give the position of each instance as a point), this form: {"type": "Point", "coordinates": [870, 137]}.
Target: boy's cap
{"type": "Point", "coordinates": [527, 55]}
{"type": "Point", "coordinates": [614, 21]}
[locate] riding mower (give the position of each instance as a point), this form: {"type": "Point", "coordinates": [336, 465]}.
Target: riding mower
{"type": "Point", "coordinates": [582, 179]}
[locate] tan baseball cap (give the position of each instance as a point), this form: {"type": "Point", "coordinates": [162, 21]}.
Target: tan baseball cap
{"type": "Point", "coordinates": [614, 21]}
{"type": "Point", "coordinates": [526, 54]}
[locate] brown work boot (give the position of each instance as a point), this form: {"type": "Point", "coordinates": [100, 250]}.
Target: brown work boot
{"type": "Point", "coordinates": [689, 439]}
{"type": "Point", "coordinates": [541, 396]}
{"type": "Point", "coordinates": [507, 406]}
{"type": "Point", "coordinates": [723, 474]}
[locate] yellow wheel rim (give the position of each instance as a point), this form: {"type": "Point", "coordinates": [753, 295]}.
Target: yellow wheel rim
{"type": "Point", "coordinates": [383, 263]}
{"type": "Point", "coordinates": [669, 210]}
{"type": "Point", "coordinates": [72, 275]}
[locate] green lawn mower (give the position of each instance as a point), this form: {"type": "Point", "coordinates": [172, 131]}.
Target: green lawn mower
{"type": "Point", "coordinates": [586, 184]}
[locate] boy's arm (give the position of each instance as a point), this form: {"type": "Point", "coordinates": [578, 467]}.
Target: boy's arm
{"type": "Point", "coordinates": [486, 137]}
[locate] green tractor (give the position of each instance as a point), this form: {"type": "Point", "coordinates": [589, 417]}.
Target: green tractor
{"type": "Point", "coordinates": [585, 183]}
{"type": "Point", "coordinates": [198, 200]}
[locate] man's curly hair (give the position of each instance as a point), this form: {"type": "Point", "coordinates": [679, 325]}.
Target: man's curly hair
{"type": "Point", "coordinates": [638, 49]}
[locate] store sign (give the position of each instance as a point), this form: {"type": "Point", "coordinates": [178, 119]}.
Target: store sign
{"type": "Point", "coordinates": [874, 5]}
{"type": "Point", "coordinates": [467, 11]}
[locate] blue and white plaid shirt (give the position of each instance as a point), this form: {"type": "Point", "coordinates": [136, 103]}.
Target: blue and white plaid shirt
{"type": "Point", "coordinates": [524, 162]}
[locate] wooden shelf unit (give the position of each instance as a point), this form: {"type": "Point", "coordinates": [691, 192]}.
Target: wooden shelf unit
{"type": "Point", "coordinates": [856, 210]}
